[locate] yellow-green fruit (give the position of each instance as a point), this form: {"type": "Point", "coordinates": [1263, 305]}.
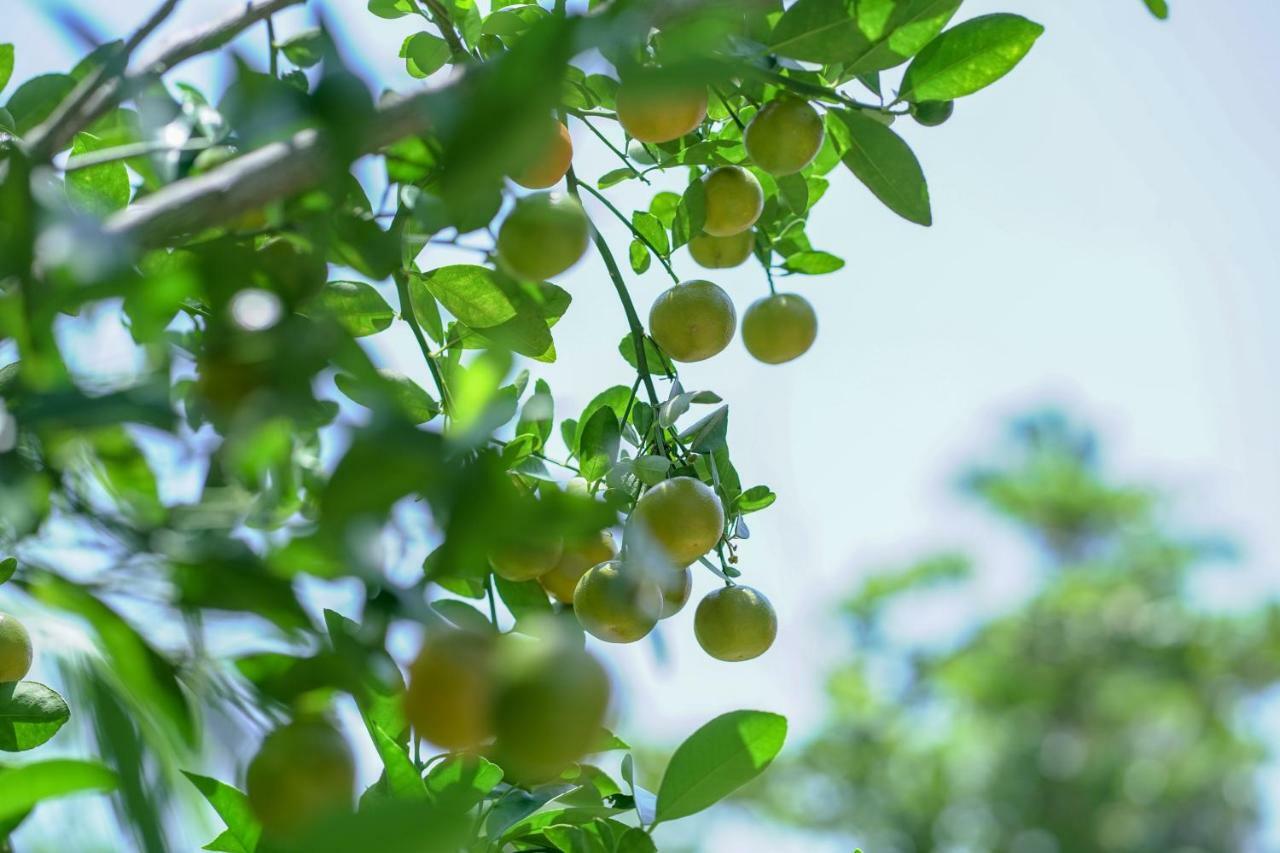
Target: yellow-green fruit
{"type": "Point", "coordinates": [676, 586]}
{"type": "Point", "coordinates": [784, 136]}
{"type": "Point", "coordinates": [550, 162]}
{"type": "Point", "coordinates": [734, 201]}
{"type": "Point", "coordinates": [525, 562]}
{"type": "Point", "coordinates": [550, 706]}
{"type": "Point", "coordinates": [543, 236]}
{"type": "Point", "coordinates": [449, 699]}
{"type": "Point", "coordinates": [616, 605]}
{"type": "Point", "coordinates": [735, 623]}
{"type": "Point", "coordinates": [722, 252]}
{"type": "Point", "coordinates": [779, 328]}
{"type": "Point", "coordinates": [303, 773]}
{"type": "Point", "coordinates": [692, 321]}
{"type": "Point", "coordinates": [15, 649]}
{"type": "Point", "coordinates": [681, 516]}
{"type": "Point", "coordinates": [563, 579]}
{"type": "Point", "coordinates": [657, 111]}
{"type": "Point", "coordinates": [211, 158]}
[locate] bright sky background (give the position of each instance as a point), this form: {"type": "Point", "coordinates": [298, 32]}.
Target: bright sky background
{"type": "Point", "coordinates": [1105, 240]}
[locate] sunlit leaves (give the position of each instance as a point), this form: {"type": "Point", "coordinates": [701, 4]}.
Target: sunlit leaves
{"type": "Point", "coordinates": [969, 57]}
{"type": "Point", "coordinates": [357, 306]}
{"type": "Point", "coordinates": [35, 100]}
{"type": "Point", "coordinates": [22, 788]}
{"type": "Point", "coordinates": [717, 759]}
{"type": "Point", "coordinates": [424, 54]}
{"type": "Point", "coordinates": [30, 714]}
{"type": "Point", "coordinates": [243, 830]}
{"type": "Point", "coordinates": [410, 397]}
{"type": "Point", "coordinates": [6, 64]}
{"type": "Point", "coordinates": [492, 304]}
{"type": "Point", "coordinates": [392, 9]}
{"type": "Point", "coordinates": [304, 49]}
{"type": "Point", "coordinates": [458, 783]}
{"type": "Point", "coordinates": [1159, 8]}
{"type": "Point", "coordinates": [599, 443]}
{"type": "Point", "coordinates": [885, 164]}
{"type": "Point", "coordinates": [813, 263]}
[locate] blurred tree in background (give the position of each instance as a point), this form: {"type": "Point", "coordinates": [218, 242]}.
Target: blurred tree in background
{"type": "Point", "coordinates": [1104, 713]}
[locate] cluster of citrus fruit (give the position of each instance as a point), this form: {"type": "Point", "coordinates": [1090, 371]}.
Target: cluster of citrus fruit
{"type": "Point", "coordinates": [15, 650]}
{"type": "Point", "coordinates": [547, 233]}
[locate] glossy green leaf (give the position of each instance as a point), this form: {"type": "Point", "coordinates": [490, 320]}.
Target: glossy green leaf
{"type": "Point", "coordinates": [8, 566]}
{"type": "Point", "coordinates": [491, 303]}
{"type": "Point", "coordinates": [638, 255]}
{"type": "Point", "coordinates": [717, 759]}
{"type": "Point", "coordinates": [863, 38]}
{"type": "Point", "coordinates": [598, 446]}
{"type": "Point", "coordinates": [968, 57]}
{"type": "Point", "coordinates": [304, 49]}
{"type": "Point", "coordinates": [652, 229]}
{"type": "Point", "coordinates": [813, 263]}
{"type": "Point", "coordinates": [886, 165]}
{"type": "Point", "coordinates": [24, 787]}
{"type": "Point", "coordinates": [6, 64]}
{"type": "Point", "coordinates": [401, 777]}
{"type": "Point", "coordinates": [392, 9]}
{"type": "Point", "coordinates": [98, 190]}
{"type": "Point", "coordinates": [243, 829]}
{"type": "Point", "coordinates": [411, 398]}
{"type": "Point", "coordinates": [538, 413]}
{"type": "Point", "coordinates": [30, 714]}
{"type": "Point", "coordinates": [357, 306]}
{"type": "Point", "coordinates": [655, 361]}
{"type": "Point", "coordinates": [524, 599]}
{"type": "Point", "coordinates": [35, 100]}
{"type": "Point", "coordinates": [424, 54]}
{"type": "Point", "coordinates": [458, 783]}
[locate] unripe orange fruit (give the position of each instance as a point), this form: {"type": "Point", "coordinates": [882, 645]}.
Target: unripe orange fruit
{"type": "Point", "coordinates": [735, 623]}
{"type": "Point", "coordinates": [303, 773]}
{"type": "Point", "coordinates": [779, 327]}
{"type": "Point", "coordinates": [692, 321]}
{"type": "Point", "coordinates": [652, 110]}
{"type": "Point", "coordinates": [676, 586]}
{"type": "Point", "coordinates": [543, 236]}
{"type": "Point", "coordinates": [573, 564]}
{"type": "Point", "coordinates": [681, 516]}
{"type": "Point", "coordinates": [617, 605]}
{"type": "Point", "coordinates": [932, 113]}
{"type": "Point", "coordinates": [525, 562]}
{"type": "Point", "coordinates": [722, 252]}
{"type": "Point", "coordinates": [449, 698]}
{"type": "Point", "coordinates": [784, 136]}
{"type": "Point", "coordinates": [15, 649]}
{"type": "Point", "coordinates": [734, 201]}
{"type": "Point", "coordinates": [550, 162]}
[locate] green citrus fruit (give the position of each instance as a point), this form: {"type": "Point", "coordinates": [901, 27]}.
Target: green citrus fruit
{"type": "Point", "coordinates": [617, 605]}
{"type": "Point", "coordinates": [734, 201]}
{"type": "Point", "coordinates": [550, 162]}
{"type": "Point", "coordinates": [693, 320]}
{"type": "Point", "coordinates": [676, 586]}
{"type": "Point", "coordinates": [525, 562]}
{"type": "Point", "coordinates": [550, 706]}
{"type": "Point", "coordinates": [303, 773]}
{"type": "Point", "coordinates": [449, 700]}
{"type": "Point", "coordinates": [784, 136]}
{"type": "Point", "coordinates": [211, 158]}
{"type": "Point", "coordinates": [15, 649]}
{"type": "Point", "coordinates": [543, 236]}
{"type": "Point", "coordinates": [932, 113]}
{"type": "Point", "coordinates": [779, 328]}
{"type": "Point", "coordinates": [722, 252]}
{"type": "Point", "coordinates": [681, 516]}
{"type": "Point", "coordinates": [735, 623]}
{"type": "Point", "coordinates": [573, 564]}
{"type": "Point", "coordinates": [652, 110]}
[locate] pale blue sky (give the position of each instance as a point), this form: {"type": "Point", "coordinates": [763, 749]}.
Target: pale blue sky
{"type": "Point", "coordinates": [1105, 239]}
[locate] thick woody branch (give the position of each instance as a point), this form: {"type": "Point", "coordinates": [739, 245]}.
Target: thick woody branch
{"type": "Point", "coordinates": [267, 174]}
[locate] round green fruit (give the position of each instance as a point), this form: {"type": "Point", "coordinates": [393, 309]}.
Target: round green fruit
{"type": "Point", "coordinates": [525, 562]}
{"type": "Point", "coordinates": [617, 605]}
{"type": "Point", "coordinates": [573, 564]}
{"type": "Point", "coordinates": [676, 586]}
{"type": "Point", "coordinates": [733, 201]}
{"type": "Point", "coordinates": [722, 252]}
{"type": "Point", "coordinates": [303, 773]}
{"type": "Point", "coordinates": [692, 321]}
{"type": "Point", "coordinates": [932, 113]}
{"type": "Point", "coordinates": [784, 136]}
{"type": "Point", "coordinates": [449, 698]}
{"type": "Point", "coordinates": [654, 110]}
{"type": "Point", "coordinates": [551, 160]}
{"type": "Point", "coordinates": [681, 516]}
{"type": "Point", "coordinates": [779, 328]}
{"type": "Point", "coordinates": [15, 649]}
{"type": "Point", "coordinates": [543, 236]}
{"type": "Point", "coordinates": [550, 706]}
{"type": "Point", "coordinates": [735, 623]}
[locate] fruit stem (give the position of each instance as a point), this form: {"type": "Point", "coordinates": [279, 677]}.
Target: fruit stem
{"type": "Point", "coordinates": [814, 90]}
{"type": "Point", "coordinates": [627, 222]}
{"type": "Point", "coordinates": [272, 51]}
{"type": "Point", "coordinates": [732, 113]}
{"type": "Point", "coordinates": [582, 117]}
{"type": "Point", "coordinates": [493, 605]}
{"type": "Point", "coordinates": [766, 262]}
{"type": "Point", "coordinates": [406, 313]}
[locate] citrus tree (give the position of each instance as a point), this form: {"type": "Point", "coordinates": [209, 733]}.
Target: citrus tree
{"type": "Point", "coordinates": [251, 240]}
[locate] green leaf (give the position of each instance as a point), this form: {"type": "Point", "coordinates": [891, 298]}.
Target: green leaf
{"type": "Point", "coordinates": [357, 306]}
{"type": "Point", "coordinates": [30, 714]}
{"type": "Point", "coordinates": [885, 164]}
{"type": "Point", "coordinates": [243, 829]}
{"type": "Point", "coordinates": [538, 413]}
{"type": "Point", "coordinates": [411, 398]}
{"type": "Point", "coordinates": [392, 9]}
{"type": "Point", "coordinates": [6, 64]}
{"type": "Point", "coordinates": [524, 599]}
{"type": "Point", "coordinates": [598, 446]}
{"type": "Point", "coordinates": [968, 57]}
{"type": "Point", "coordinates": [813, 263]}
{"type": "Point", "coordinates": [635, 840]}
{"type": "Point", "coordinates": [691, 213]}
{"type": "Point", "coordinates": [708, 434]}
{"type": "Point", "coordinates": [424, 54]}
{"type": "Point", "coordinates": [755, 499]}
{"type": "Point", "coordinates": [826, 31]}
{"type": "Point", "coordinates": [35, 100]}
{"type": "Point", "coordinates": [1159, 8]}
{"type": "Point", "coordinates": [654, 359]}
{"type": "Point", "coordinates": [871, 36]}
{"type": "Point", "coordinates": [99, 190]}
{"type": "Point", "coordinates": [22, 788]}
{"type": "Point", "coordinates": [304, 49]}
{"type": "Point", "coordinates": [653, 230]}
{"type": "Point", "coordinates": [425, 309]}
{"type": "Point", "coordinates": [717, 759]}
{"type": "Point", "coordinates": [639, 257]}
{"type": "Point", "coordinates": [8, 566]}
{"type": "Point", "coordinates": [617, 176]}
{"type": "Point", "coordinates": [402, 777]}
{"type": "Point", "coordinates": [485, 300]}
{"type": "Point", "coordinates": [460, 782]}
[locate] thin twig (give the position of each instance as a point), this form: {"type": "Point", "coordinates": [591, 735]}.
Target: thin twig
{"type": "Point", "coordinates": [627, 222]}
{"type": "Point", "coordinates": [128, 152]}
{"type": "Point", "coordinates": [581, 116]}
{"type": "Point", "coordinates": [408, 315]}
